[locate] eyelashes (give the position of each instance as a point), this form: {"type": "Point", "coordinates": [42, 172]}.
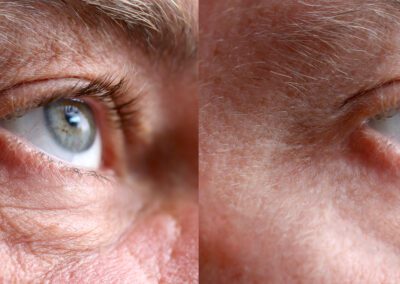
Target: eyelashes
{"type": "Point", "coordinates": [122, 109]}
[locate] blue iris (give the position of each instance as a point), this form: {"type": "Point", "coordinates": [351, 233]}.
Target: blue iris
{"type": "Point", "coordinates": [72, 124]}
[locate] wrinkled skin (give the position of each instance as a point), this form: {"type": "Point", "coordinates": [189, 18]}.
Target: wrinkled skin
{"type": "Point", "coordinates": [294, 189]}
{"type": "Point", "coordinates": [137, 224]}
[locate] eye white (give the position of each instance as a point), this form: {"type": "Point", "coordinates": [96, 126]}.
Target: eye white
{"type": "Point", "coordinates": [34, 128]}
{"type": "Point", "coordinates": [388, 125]}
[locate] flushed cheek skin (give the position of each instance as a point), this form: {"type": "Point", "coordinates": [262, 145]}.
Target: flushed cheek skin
{"type": "Point", "coordinates": [309, 226]}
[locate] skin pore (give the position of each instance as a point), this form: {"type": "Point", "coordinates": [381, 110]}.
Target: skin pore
{"type": "Point", "coordinates": [136, 221]}
{"type": "Point", "coordinates": [295, 188]}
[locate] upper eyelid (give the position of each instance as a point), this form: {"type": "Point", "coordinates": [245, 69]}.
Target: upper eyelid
{"type": "Point", "coordinates": [103, 89]}
{"type": "Point", "coordinates": [368, 103]}
{"type": "Point", "coordinates": [368, 90]}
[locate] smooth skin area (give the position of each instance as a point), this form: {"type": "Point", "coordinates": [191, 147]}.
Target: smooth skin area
{"type": "Point", "coordinates": [137, 220]}
{"type": "Point", "coordinates": [295, 188]}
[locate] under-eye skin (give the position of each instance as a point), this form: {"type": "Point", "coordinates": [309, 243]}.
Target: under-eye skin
{"type": "Point", "coordinates": [70, 123]}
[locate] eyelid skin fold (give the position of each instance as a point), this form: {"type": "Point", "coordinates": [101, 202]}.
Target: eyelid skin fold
{"type": "Point", "coordinates": [365, 105]}
{"type": "Point", "coordinates": [374, 148]}
{"type": "Point", "coordinates": [384, 91]}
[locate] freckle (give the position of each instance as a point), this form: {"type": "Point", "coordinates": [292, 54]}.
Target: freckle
{"type": "Point", "coordinates": [216, 51]}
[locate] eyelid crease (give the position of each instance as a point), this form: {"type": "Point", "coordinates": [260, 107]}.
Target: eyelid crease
{"type": "Point", "coordinates": [367, 104]}
{"type": "Point", "coordinates": [369, 89]}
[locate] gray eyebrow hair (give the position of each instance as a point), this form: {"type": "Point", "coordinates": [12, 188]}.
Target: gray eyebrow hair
{"type": "Point", "coordinates": [316, 36]}
{"type": "Point", "coordinates": [167, 28]}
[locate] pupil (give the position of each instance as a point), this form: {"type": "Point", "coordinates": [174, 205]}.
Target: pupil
{"type": "Point", "coordinates": [71, 114]}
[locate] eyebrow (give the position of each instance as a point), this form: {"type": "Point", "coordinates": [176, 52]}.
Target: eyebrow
{"type": "Point", "coordinates": [304, 37]}
{"type": "Point", "coordinates": [165, 28]}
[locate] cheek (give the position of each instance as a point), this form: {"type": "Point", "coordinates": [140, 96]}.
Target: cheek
{"type": "Point", "coordinates": [161, 247]}
{"type": "Point", "coordinates": [340, 223]}
{"type": "Point", "coordinates": [330, 219]}
{"type": "Point", "coordinates": [237, 234]}
{"type": "Point", "coordinates": [52, 218]}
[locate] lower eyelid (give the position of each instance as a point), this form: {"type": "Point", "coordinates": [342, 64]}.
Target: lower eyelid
{"type": "Point", "coordinates": [376, 151]}
{"type": "Point", "coordinates": [24, 160]}
{"type": "Point", "coordinates": [30, 180]}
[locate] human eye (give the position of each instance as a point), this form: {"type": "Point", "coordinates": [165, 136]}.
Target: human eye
{"type": "Point", "coordinates": [373, 118]}
{"type": "Point", "coordinates": [69, 120]}
{"type": "Point", "coordinates": [65, 129]}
